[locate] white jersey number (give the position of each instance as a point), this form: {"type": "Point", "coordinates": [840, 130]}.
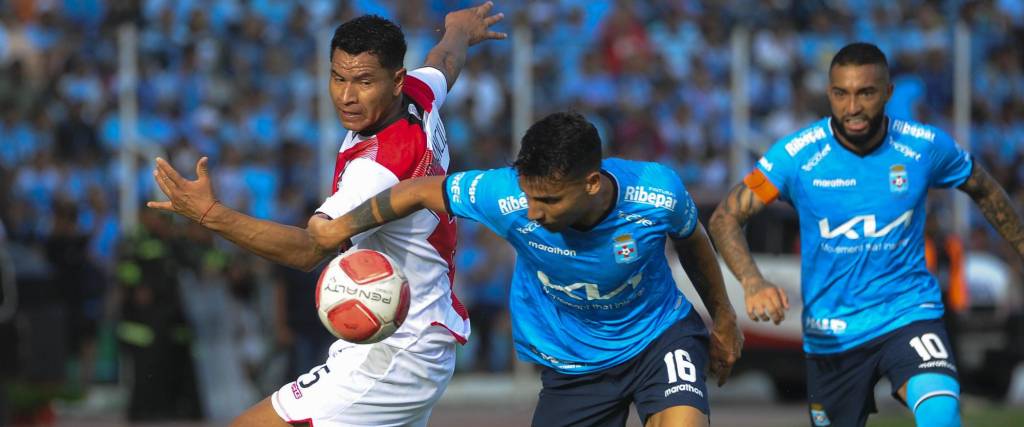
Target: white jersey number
{"type": "Point", "coordinates": [680, 367]}
{"type": "Point", "coordinates": [929, 346]}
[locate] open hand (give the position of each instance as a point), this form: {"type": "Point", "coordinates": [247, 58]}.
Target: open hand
{"type": "Point", "coordinates": [475, 23]}
{"type": "Point", "coordinates": [189, 198]}
{"type": "Point", "coordinates": [765, 301]}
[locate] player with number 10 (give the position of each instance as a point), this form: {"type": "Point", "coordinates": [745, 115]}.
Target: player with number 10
{"type": "Point", "coordinates": [859, 180]}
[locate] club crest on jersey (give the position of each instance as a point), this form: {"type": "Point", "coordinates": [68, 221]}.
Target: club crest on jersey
{"type": "Point", "coordinates": [898, 179]}
{"type": "Point", "coordinates": [818, 415]}
{"type": "Point", "coordinates": [625, 249]}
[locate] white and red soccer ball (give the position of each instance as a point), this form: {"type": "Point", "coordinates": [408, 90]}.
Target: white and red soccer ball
{"type": "Point", "coordinates": [362, 296]}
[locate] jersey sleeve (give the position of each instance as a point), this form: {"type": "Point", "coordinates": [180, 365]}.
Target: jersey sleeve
{"type": "Point", "coordinates": [362, 179]}
{"type": "Point", "coordinates": [950, 165]}
{"type": "Point", "coordinates": [427, 86]}
{"type": "Point", "coordinates": [683, 218]}
{"type": "Point", "coordinates": [475, 195]}
{"type": "Point", "coordinates": [771, 176]}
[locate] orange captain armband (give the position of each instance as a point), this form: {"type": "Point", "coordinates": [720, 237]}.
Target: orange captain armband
{"type": "Point", "coordinates": [761, 186]}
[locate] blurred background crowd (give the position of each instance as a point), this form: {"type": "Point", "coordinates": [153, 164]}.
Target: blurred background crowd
{"type": "Point", "coordinates": [211, 329]}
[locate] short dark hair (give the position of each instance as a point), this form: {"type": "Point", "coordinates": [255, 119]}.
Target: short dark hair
{"type": "Point", "coordinates": [859, 54]}
{"type": "Point", "coordinates": [374, 35]}
{"type": "Point", "coordinates": [560, 146]}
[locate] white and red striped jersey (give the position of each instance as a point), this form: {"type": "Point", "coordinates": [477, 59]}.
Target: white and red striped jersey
{"type": "Point", "coordinates": [422, 244]}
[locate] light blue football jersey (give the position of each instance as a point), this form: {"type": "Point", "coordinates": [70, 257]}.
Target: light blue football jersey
{"type": "Point", "coordinates": [583, 301]}
{"type": "Point", "coordinates": [862, 223]}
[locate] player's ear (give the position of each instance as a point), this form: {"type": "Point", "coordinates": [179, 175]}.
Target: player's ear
{"type": "Point", "coordinates": [399, 79]}
{"type": "Point", "coordinates": [593, 182]}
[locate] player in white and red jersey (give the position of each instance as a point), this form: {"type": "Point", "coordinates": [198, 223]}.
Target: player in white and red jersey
{"type": "Point", "coordinates": [395, 133]}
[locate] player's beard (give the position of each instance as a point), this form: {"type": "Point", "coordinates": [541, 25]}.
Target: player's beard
{"type": "Point", "coordinates": [874, 126]}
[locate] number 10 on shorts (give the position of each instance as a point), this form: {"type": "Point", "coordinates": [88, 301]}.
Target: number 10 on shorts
{"type": "Point", "coordinates": [679, 366]}
{"type": "Point", "coordinates": [929, 346]}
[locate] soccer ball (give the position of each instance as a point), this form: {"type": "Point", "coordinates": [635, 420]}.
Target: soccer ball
{"type": "Point", "coordinates": [362, 297]}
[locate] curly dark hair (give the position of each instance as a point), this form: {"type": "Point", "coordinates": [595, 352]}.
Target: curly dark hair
{"type": "Point", "coordinates": [560, 146]}
{"type": "Point", "coordinates": [372, 34]}
{"type": "Point", "coordinates": [859, 54]}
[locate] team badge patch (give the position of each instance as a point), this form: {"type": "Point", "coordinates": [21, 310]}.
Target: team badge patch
{"type": "Point", "coordinates": [818, 416]}
{"type": "Point", "coordinates": [898, 179]}
{"type": "Point", "coordinates": [625, 249]}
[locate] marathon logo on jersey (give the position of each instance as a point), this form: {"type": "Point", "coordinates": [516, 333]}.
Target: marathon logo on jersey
{"type": "Point", "coordinates": [828, 326]}
{"type": "Point", "coordinates": [455, 188]}
{"type": "Point", "coordinates": [529, 227]}
{"type": "Point", "coordinates": [683, 387]}
{"type": "Point", "coordinates": [551, 249]}
{"type": "Point", "coordinates": [413, 111]}
{"type": "Point", "coordinates": [898, 179]}
{"type": "Point", "coordinates": [635, 218]}
{"type": "Point", "coordinates": [625, 249]}
{"type": "Point", "coordinates": [511, 204]}
{"type": "Point", "coordinates": [869, 226]}
{"type": "Point", "coordinates": [804, 139]}
{"type": "Point", "coordinates": [834, 183]}
{"type": "Point", "coordinates": [818, 416]}
{"type": "Point", "coordinates": [913, 130]}
{"type": "Point", "coordinates": [817, 158]}
{"type": "Point", "coordinates": [296, 391]}
{"type": "Point", "coordinates": [651, 196]}
{"type": "Point", "coordinates": [472, 188]}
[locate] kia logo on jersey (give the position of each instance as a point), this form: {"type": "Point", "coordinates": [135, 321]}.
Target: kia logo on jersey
{"type": "Point", "coordinates": [869, 226]}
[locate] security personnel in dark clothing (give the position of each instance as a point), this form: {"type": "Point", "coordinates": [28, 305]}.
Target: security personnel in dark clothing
{"type": "Point", "coordinates": [152, 327]}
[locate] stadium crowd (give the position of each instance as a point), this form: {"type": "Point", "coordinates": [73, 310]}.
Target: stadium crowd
{"type": "Point", "coordinates": [237, 81]}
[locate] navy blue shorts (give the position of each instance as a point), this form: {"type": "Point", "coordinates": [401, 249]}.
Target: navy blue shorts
{"type": "Point", "coordinates": [840, 387]}
{"type": "Point", "coordinates": [669, 372]}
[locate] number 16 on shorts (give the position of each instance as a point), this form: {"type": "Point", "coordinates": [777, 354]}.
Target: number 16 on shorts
{"type": "Point", "coordinates": [680, 366]}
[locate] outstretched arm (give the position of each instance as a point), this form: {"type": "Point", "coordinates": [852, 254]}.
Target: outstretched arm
{"type": "Point", "coordinates": [462, 29]}
{"type": "Point", "coordinates": [397, 202]}
{"type": "Point", "coordinates": [996, 206]}
{"type": "Point", "coordinates": [764, 300]}
{"type": "Point", "coordinates": [698, 259]}
{"type": "Point", "coordinates": [283, 244]}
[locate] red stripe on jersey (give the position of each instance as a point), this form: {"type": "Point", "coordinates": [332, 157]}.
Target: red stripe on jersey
{"type": "Point", "coordinates": [305, 422]}
{"type": "Point", "coordinates": [401, 148]}
{"type": "Point", "coordinates": [419, 92]}
{"type": "Point", "coordinates": [443, 241]}
{"type": "Point", "coordinates": [365, 149]}
{"type": "Point", "coordinates": [461, 339]}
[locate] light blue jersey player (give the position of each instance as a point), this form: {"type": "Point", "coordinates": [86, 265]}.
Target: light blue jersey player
{"type": "Point", "coordinates": [608, 288]}
{"type": "Point", "coordinates": [859, 181]}
{"type": "Point", "coordinates": [862, 227]}
{"type": "Point", "coordinates": [592, 298]}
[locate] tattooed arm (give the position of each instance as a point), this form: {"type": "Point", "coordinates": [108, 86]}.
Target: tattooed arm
{"type": "Point", "coordinates": [996, 206]}
{"type": "Point", "coordinates": [698, 260]}
{"type": "Point", "coordinates": [389, 205]}
{"type": "Point", "coordinates": [764, 300]}
{"type": "Point", "coordinates": [462, 29]}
